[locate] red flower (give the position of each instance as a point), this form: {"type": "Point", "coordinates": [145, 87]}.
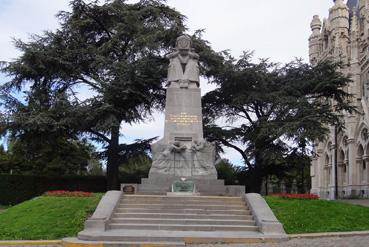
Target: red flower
{"type": "Point", "coordinates": [67, 193]}
{"type": "Point", "coordinates": [296, 196]}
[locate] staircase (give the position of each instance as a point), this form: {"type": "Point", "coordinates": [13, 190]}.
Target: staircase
{"type": "Point", "coordinates": [158, 220]}
{"type": "Point", "coordinates": [197, 213]}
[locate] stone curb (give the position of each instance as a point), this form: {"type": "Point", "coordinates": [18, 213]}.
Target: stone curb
{"type": "Point", "coordinates": [290, 236]}
{"type": "Point", "coordinates": [30, 242]}
{"type": "Point", "coordinates": [329, 234]}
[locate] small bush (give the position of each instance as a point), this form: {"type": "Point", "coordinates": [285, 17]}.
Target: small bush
{"type": "Point", "coordinates": [18, 188]}
{"type": "Point", "coordinates": [66, 193]}
{"type": "Point", "coordinates": [296, 196]}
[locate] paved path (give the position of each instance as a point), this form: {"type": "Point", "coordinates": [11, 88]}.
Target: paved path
{"type": "Point", "coordinates": [357, 202]}
{"type": "Point", "coordinates": [30, 245]}
{"type": "Point", "coordinates": [358, 241]}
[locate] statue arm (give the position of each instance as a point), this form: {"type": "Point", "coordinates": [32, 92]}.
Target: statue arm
{"type": "Point", "coordinates": [178, 148]}
{"type": "Point", "coordinates": [193, 55]}
{"type": "Point", "coordinates": [197, 146]}
{"type": "Point", "coordinates": [172, 55]}
{"type": "Point", "coordinates": [201, 145]}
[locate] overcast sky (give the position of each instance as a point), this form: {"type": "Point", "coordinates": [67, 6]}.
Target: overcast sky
{"type": "Point", "coordinates": [275, 29]}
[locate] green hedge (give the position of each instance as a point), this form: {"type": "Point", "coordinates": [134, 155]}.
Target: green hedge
{"type": "Point", "coordinates": [17, 188]}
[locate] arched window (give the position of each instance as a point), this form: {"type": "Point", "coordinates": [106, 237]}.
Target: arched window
{"type": "Point", "coordinates": [341, 168]}
{"type": "Point", "coordinates": [360, 163]}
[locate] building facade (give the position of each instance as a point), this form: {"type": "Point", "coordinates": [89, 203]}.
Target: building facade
{"type": "Point", "coordinates": [344, 157]}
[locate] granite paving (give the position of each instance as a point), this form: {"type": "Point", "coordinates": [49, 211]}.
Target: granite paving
{"type": "Point", "coordinates": [356, 241]}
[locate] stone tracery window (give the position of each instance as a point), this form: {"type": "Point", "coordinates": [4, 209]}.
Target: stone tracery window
{"type": "Point", "coordinates": [364, 134]}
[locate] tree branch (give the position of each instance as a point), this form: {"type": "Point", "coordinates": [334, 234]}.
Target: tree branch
{"type": "Point", "coordinates": [98, 134]}
{"type": "Point", "coordinates": [244, 156]}
{"type": "Point", "coordinates": [84, 80]}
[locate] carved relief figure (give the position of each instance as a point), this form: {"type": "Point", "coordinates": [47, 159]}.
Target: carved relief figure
{"type": "Point", "coordinates": [164, 162]}
{"type": "Point", "coordinates": [203, 155]}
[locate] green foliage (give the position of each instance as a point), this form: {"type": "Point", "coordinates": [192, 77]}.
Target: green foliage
{"type": "Point", "coordinates": [309, 216]}
{"type": "Point", "coordinates": [94, 168]}
{"type": "Point", "coordinates": [227, 171]}
{"type": "Point", "coordinates": [298, 170]}
{"type": "Point", "coordinates": [46, 218]}
{"type": "Point", "coordinates": [135, 168]}
{"type": "Point", "coordinates": [5, 163]}
{"type": "Point", "coordinates": [273, 111]}
{"type": "Point", "coordinates": [18, 188]}
{"type": "Point", "coordinates": [46, 156]}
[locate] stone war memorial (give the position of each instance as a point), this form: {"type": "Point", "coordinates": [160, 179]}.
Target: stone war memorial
{"type": "Point", "coordinates": [182, 201]}
{"type": "Point", "coordinates": [183, 152]}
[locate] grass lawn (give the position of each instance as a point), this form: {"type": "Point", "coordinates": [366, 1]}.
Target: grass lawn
{"type": "Point", "coordinates": [3, 207]}
{"type": "Point", "coordinates": [309, 216]}
{"type": "Point", "coordinates": [46, 217]}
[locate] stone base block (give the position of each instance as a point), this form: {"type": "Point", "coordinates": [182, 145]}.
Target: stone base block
{"type": "Point", "coordinates": [183, 194]}
{"type": "Point", "coordinates": [160, 185]}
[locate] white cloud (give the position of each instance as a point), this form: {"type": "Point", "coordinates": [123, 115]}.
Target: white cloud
{"type": "Point", "coordinates": [20, 18]}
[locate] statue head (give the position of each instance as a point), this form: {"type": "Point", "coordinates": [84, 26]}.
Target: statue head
{"type": "Point", "coordinates": [183, 42]}
{"type": "Point", "coordinates": [177, 143]}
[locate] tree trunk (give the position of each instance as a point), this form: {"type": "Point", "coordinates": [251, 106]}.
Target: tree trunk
{"type": "Point", "coordinates": [256, 181]}
{"type": "Point", "coordinates": [256, 176]}
{"type": "Point", "coordinates": [112, 169]}
{"type": "Point", "coordinates": [266, 185]}
{"type": "Point", "coordinates": [302, 180]}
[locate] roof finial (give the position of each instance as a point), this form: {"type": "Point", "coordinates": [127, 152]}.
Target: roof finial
{"type": "Point", "coordinates": [316, 24]}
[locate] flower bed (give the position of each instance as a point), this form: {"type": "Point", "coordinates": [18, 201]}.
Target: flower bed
{"type": "Point", "coordinates": [67, 193]}
{"type": "Point", "coordinates": [296, 196]}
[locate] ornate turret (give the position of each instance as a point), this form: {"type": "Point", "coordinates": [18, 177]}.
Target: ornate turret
{"type": "Point", "coordinates": [315, 39]}
{"type": "Point", "coordinates": [354, 24]}
{"type": "Point", "coordinates": [355, 87]}
{"type": "Point", "coordinates": [363, 13]}
{"type": "Point", "coordinates": [339, 17]}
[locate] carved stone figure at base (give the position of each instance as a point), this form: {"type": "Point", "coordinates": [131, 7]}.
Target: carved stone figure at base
{"type": "Point", "coordinates": [177, 160]}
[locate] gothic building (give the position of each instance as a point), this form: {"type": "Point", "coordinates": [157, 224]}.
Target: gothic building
{"type": "Point", "coordinates": [344, 36]}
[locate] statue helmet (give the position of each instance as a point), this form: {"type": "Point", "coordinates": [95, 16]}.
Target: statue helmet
{"type": "Point", "coordinates": [183, 42]}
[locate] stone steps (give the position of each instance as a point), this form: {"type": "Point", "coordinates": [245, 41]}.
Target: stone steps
{"type": "Point", "coordinates": [191, 221]}
{"type": "Point", "coordinates": [178, 213]}
{"type": "Point", "coordinates": [164, 206]}
{"type": "Point", "coordinates": [174, 221]}
{"type": "Point", "coordinates": [184, 198]}
{"type": "Point", "coordinates": [182, 216]}
{"type": "Point", "coordinates": [182, 211]}
{"type": "Point", "coordinates": [197, 202]}
{"type": "Point", "coordinates": [175, 227]}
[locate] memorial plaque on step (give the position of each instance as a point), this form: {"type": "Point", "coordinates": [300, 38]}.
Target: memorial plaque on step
{"type": "Point", "coordinates": [183, 186]}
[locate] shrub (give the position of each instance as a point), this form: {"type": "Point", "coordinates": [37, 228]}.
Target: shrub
{"type": "Point", "coordinates": [67, 193]}
{"type": "Point", "coordinates": [18, 188]}
{"type": "Point", "coordinates": [296, 196]}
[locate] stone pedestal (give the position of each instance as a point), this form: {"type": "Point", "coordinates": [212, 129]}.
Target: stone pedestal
{"type": "Point", "coordinates": [183, 115]}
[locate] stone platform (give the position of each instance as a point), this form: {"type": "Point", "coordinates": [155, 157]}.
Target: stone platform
{"type": "Point", "coordinates": [160, 185]}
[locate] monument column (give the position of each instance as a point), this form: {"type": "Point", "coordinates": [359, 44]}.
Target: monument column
{"type": "Point", "coordinates": [183, 152]}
